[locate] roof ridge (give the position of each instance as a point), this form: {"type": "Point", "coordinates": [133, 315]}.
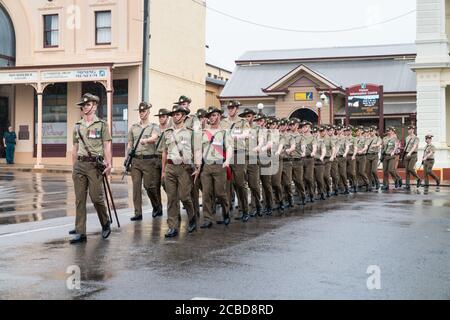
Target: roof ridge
{"type": "Point", "coordinates": [334, 47]}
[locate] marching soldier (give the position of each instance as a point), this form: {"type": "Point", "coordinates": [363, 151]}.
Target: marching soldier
{"type": "Point", "coordinates": [342, 150]}
{"type": "Point", "coordinates": [410, 157]}
{"type": "Point", "coordinates": [331, 169]}
{"type": "Point", "coordinates": [142, 138]}
{"type": "Point", "coordinates": [319, 163]}
{"type": "Point", "coordinates": [286, 177]}
{"type": "Point", "coordinates": [361, 151]}
{"type": "Point", "coordinates": [180, 154]}
{"type": "Point", "coordinates": [428, 162]}
{"type": "Point", "coordinates": [372, 158]}
{"type": "Point", "coordinates": [310, 143]}
{"type": "Point", "coordinates": [91, 144]}
{"type": "Point", "coordinates": [253, 171]}
{"type": "Point", "coordinates": [298, 153]}
{"type": "Point", "coordinates": [195, 194]}
{"type": "Point", "coordinates": [351, 159]}
{"type": "Point", "coordinates": [163, 117]}
{"type": "Point", "coordinates": [217, 154]}
{"type": "Point", "coordinates": [388, 155]}
{"type": "Point", "coordinates": [275, 146]}
{"type": "Point", "coordinates": [266, 180]}
{"type": "Point", "coordinates": [239, 128]}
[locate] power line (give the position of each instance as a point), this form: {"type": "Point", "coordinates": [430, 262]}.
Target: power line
{"type": "Point", "coordinates": [300, 30]}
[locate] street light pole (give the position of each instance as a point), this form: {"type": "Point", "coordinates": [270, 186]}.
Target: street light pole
{"type": "Point", "coordinates": [319, 106]}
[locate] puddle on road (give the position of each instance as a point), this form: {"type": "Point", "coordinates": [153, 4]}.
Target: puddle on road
{"type": "Point", "coordinates": [426, 202]}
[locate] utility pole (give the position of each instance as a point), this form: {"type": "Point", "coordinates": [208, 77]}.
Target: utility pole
{"type": "Point", "coordinates": [145, 52]}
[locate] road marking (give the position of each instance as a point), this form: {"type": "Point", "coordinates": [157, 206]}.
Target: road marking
{"type": "Point", "coordinates": [33, 231]}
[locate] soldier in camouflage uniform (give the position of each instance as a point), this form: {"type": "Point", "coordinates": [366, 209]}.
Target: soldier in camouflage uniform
{"type": "Point", "coordinates": [144, 164]}
{"type": "Point", "coordinates": [217, 154]}
{"type": "Point", "coordinates": [319, 162]}
{"type": "Point", "coordinates": [410, 157]}
{"type": "Point", "coordinates": [310, 143]}
{"type": "Point", "coordinates": [286, 156]}
{"type": "Point", "coordinates": [351, 159]}
{"type": "Point", "coordinates": [181, 161]}
{"type": "Point", "coordinates": [342, 150]}
{"type": "Point", "coordinates": [428, 162]}
{"type": "Point", "coordinates": [91, 143]}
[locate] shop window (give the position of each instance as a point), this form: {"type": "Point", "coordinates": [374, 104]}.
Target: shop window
{"type": "Point", "coordinates": [103, 27]}
{"type": "Point", "coordinates": [51, 31]}
{"type": "Point", "coordinates": [120, 111]}
{"type": "Point", "coordinates": [54, 121]}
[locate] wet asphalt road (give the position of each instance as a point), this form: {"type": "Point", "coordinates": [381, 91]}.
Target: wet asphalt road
{"type": "Point", "coordinates": [320, 252]}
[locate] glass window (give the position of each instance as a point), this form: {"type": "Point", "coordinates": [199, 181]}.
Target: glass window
{"type": "Point", "coordinates": [120, 111]}
{"type": "Point", "coordinates": [54, 115]}
{"type": "Point", "coordinates": [103, 27]}
{"type": "Point", "coordinates": [51, 31]}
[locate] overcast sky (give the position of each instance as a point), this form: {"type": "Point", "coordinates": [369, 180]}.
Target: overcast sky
{"type": "Point", "coordinates": [228, 39]}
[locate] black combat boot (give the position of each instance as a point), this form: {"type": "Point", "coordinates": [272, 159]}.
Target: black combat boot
{"type": "Point", "coordinates": [281, 207]}
{"type": "Point", "coordinates": [291, 202]}
{"type": "Point", "coordinates": [259, 212]}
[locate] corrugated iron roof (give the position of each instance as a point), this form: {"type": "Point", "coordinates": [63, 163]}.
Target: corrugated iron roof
{"type": "Point", "coordinates": [394, 75]}
{"type": "Point", "coordinates": [330, 52]}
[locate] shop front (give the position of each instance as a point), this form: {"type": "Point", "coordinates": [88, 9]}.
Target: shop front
{"type": "Point", "coordinates": [42, 108]}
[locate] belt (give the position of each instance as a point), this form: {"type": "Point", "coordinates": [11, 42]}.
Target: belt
{"type": "Point", "coordinates": [327, 158]}
{"type": "Point", "coordinates": [147, 157]}
{"type": "Point", "coordinates": [360, 155]}
{"type": "Point", "coordinates": [86, 159]}
{"type": "Point", "coordinates": [171, 162]}
{"type": "Point", "coordinates": [297, 159]}
{"type": "Point", "coordinates": [372, 153]}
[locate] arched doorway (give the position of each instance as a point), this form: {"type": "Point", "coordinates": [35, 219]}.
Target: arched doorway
{"type": "Point", "coordinates": [306, 114]}
{"type": "Point", "coordinates": [7, 59]}
{"type": "Point", "coordinates": [7, 40]}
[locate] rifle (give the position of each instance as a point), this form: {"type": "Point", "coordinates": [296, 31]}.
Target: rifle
{"type": "Point", "coordinates": [132, 154]}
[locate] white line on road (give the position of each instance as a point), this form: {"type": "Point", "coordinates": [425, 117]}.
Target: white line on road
{"type": "Point", "coordinates": [33, 231]}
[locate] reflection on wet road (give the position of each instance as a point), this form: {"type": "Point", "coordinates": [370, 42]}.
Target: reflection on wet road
{"type": "Point", "coordinates": [26, 197]}
{"type": "Point", "coordinates": [322, 251]}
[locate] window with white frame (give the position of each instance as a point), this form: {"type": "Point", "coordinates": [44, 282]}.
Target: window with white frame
{"type": "Point", "coordinates": [103, 27]}
{"type": "Point", "coordinates": [51, 31]}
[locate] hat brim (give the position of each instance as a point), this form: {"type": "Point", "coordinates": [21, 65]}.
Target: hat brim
{"type": "Point", "coordinates": [208, 114]}
{"type": "Point", "coordinates": [181, 111]}
{"type": "Point", "coordinates": [243, 115]}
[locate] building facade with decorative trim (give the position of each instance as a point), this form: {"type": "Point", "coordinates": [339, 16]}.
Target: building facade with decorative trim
{"type": "Point", "coordinates": [54, 51]}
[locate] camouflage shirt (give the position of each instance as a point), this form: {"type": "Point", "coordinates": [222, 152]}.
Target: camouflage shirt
{"type": "Point", "coordinates": [93, 135]}
{"type": "Point", "coordinates": [410, 143]}
{"type": "Point", "coordinates": [329, 145]}
{"type": "Point", "coordinates": [215, 151]}
{"type": "Point", "coordinates": [149, 131]}
{"type": "Point", "coordinates": [430, 149]}
{"type": "Point", "coordinates": [309, 142]}
{"type": "Point", "coordinates": [179, 145]}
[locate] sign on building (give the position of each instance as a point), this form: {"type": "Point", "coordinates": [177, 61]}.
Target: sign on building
{"type": "Point", "coordinates": [304, 96]}
{"type": "Point", "coordinates": [364, 100]}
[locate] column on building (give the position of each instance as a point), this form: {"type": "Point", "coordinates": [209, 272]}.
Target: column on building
{"type": "Point", "coordinates": [433, 57]}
